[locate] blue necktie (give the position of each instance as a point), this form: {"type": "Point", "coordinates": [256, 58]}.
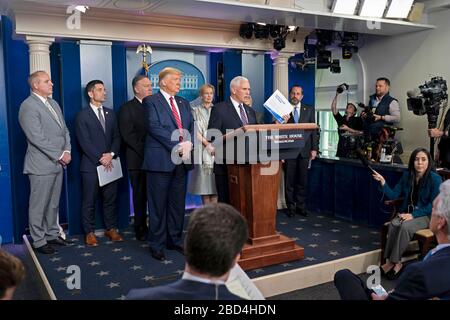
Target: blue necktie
{"type": "Point", "coordinates": [296, 115]}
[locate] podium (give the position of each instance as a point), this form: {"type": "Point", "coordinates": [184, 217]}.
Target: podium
{"type": "Point", "coordinates": [254, 178]}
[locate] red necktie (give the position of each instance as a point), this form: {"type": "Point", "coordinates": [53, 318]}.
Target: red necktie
{"type": "Point", "coordinates": [176, 116]}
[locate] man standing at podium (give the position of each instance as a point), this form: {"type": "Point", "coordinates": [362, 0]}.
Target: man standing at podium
{"type": "Point", "coordinates": [296, 170]}
{"type": "Point", "coordinates": [226, 115]}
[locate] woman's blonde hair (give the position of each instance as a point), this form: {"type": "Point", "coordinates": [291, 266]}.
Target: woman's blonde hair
{"type": "Point", "coordinates": [204, 87]}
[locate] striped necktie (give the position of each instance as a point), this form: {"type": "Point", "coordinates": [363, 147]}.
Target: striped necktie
{"type": "Point", "coordinates": [53, 112]}
{"type": "Point", "coordinates": [243, 115]}
{"type": "Point", "coordinates": [176, 115]}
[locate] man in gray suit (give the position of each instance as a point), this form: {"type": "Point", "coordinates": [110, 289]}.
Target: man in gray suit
{"type": "Point", "coordinates": [47, 154]}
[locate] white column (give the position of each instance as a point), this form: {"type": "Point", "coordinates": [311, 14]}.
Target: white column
{"type": "Point", "coordinates": [281, 82]}
{"type": "Point", "coordinates": [39, 51]}
{"type": "Point", "coordinates": [281, 72]}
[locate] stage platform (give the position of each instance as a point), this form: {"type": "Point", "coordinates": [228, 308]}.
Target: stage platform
{"type": "Point", "coordinates": [110, 270]}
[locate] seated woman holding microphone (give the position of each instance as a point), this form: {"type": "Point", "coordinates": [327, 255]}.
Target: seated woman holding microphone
{"type": "Point", "coordinates": [419, 185]}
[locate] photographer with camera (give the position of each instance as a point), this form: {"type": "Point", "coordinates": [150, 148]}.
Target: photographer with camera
{"type": "Point", "coordinates": [349, 123]}
{"type": "Point", "coordinates": [387, 109]}
{"type": "Point", "coordinates": [428, 99]}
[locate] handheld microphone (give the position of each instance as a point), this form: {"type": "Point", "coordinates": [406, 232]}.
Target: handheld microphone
{"type": "Point", "coordinates": [364, 160]}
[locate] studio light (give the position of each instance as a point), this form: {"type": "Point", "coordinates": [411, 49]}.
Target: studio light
{"type": "Point", "coordinates": [399, 9]}
{"type": "Point", "coordinates": [372, 8]}
{"type": "Point", "coordinates": [344, 6]}
{"type": "Point", "coordinates": [335, 66]}
{"type": "Point", "coordinates": [323, 60]}
{"type": "Point", "coordinates": [246, 30]}
{"type": "Point", "coordinates": [279, 43]}
{"type": "Point", "coordinates": [349, 44]}
{"type": "Point", "coordinates": [275, 30]}
{"type": "Point", "coordinates": [261, 31]}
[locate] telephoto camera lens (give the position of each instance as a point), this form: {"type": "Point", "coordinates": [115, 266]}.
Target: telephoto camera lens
{"type": "Point", "coordinates": [341, 88]}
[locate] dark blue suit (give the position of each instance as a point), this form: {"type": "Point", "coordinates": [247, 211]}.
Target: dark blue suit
{"type": "Point", "coordinates": [183, 290]}
{"type": "Point", "coordinates": [421, 280]}
{"type": "Point", "coordinates": [94, 142]}
{"type": "Point", "coordinates": [224, 117]}
{"type": "Point", "coordinates": [296, 170]}
{"type": "Point", "coordinates": [426, 279]}
{"type": "Point", "coordinates": [166, 180]}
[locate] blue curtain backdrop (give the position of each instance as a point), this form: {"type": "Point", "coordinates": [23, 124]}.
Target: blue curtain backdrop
{"type": "Point", "coordinates": [6, 217]}
{"type": "Point", "coordinates": [16, 63]}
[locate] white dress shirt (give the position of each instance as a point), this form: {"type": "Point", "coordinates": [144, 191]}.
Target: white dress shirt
{"type": "Point", "coordinates": [238, 110]}
{"type": "Point", "coordinates": [95, 109]}
{"type": "Point", "coordinates": [167, 97]}
{"type": "Point", "coordinates": [188, 276]}
{"type": "Point", "coordinates": [299, 106]}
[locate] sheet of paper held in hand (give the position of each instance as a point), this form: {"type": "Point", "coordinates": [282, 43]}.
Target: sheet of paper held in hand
{"type": "Point", "coordinates": [278, 106]}
{"type": "Point", "coordinates": [241, 285]}
{"type": "Point", "coordinates": [105, 177]}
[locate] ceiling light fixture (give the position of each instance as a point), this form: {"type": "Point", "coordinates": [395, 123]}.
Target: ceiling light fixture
{"type": "Point", "coordinates": [344, 6]}
{"type": "Point", "coordinates": [372, 8]}
{"type": "Point", "coordinates": [399, 9]}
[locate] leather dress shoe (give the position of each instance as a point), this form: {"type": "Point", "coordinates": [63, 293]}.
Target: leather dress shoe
{"type": "Point", "coordinates": [158, 255]}
{"type": "Point", "coordinates": [113, 235]}
{"type": "Point", "coordinates": [290, 213]}
{"type": "Point", "coordinates": [91, 240]}
{"type": "Point", "coordinates": [46, 249]}
{"type": "Point", "coordinates": [60, 242]}
{"type": "Point", "coordinates": [301, 212]}
{"type": "Point", "coordinates": [180, 249]}
{"type": "Point", "coordinates": [392, 275]}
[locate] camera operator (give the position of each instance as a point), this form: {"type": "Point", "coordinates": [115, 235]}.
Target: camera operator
{"type": "Point", "coordinates": [444, 143]}
{"type": "Point", "coordinates": [348, 123]}
{"type": "Point", "coordinates": [387, 109]}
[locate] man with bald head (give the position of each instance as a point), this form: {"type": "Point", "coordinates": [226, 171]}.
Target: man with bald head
{"type": "Point", "coordinates": [47, 154]}
{"type": "Point", "coordinates": [230, 114]}
{"type": "Point", "coordinates": [167, 161]}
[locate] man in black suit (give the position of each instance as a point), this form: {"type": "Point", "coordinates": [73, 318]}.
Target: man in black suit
{"type": "Point", "coordinates": [99, 138]}
{"type": "Point", "coordinates": [229, 115]}
{"type": "Point", "coordinates": [296, 170]}
{"type": "Point", "coordinates": [133, 128]}
{"type": "Point", "coordinates": [214, 240]}
{"type": "Point", "coordinates": [167, 160]}
{"type": "Point", "coordinates": [426, 279]}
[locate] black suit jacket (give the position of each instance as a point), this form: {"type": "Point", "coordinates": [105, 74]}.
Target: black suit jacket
{"type": "Point", "coordinates": [93, 140]}
{"type": "Point", "coordinates": [133, 128]}
{"type": "Point", "coordinates": [308, 115]}
{"type": "Point", "coordinates": [183, 290]}
{"type": "Point", "coordinates": [425, 279]}
{"type": "Point", "coordinates": [224, 117]}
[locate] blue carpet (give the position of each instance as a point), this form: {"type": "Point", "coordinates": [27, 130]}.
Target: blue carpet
{"type": "Point", "coordinates": [110, 270]}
